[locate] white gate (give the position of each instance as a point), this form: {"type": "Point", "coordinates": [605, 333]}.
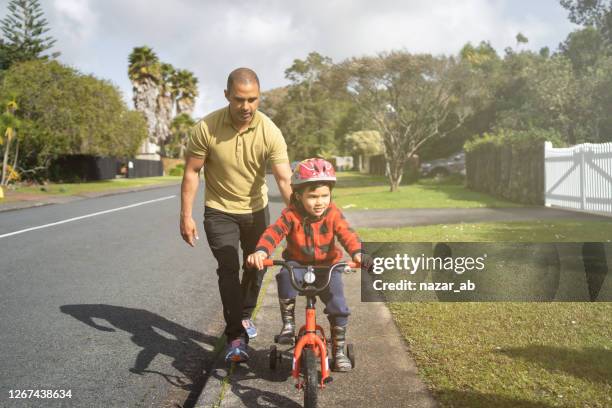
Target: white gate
{"type": "Point", "coordinates": [579, 177]}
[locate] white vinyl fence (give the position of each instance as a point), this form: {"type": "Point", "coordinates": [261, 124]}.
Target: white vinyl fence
{"type": "Point", "coordinates": [579, 177]}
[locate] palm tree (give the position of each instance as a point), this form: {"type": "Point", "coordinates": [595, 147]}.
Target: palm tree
{"type": "Point", "coordinates": [180, 130]}
{"type": "Point", "coordinates": [8, 122]}
{"type": "Point", "coordinates": [165, 102]}
{"type": "Point", "coordinates": [186, 85]}
{"type": "Point", "coordinates": [144, 71]}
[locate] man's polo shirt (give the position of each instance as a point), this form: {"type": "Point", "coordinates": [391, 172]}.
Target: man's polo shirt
{"type": "Point", "coordinates": [235, 162]}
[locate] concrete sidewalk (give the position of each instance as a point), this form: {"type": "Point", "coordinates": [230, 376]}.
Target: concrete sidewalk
{"type": "Point", "coordinates": [385, 374]}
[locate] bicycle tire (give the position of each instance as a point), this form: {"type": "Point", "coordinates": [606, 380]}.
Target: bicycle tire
{"type": "Point", "coordinates": [311, 376]}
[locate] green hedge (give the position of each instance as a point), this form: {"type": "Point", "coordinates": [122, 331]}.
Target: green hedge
{"type": "Point", "coordinates": [509, 164]}
{"type": "Point", "coordinates": [178, 170]}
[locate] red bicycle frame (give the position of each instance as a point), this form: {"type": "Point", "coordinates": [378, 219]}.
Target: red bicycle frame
{"type": "Point", "coordinates": [311, 335]}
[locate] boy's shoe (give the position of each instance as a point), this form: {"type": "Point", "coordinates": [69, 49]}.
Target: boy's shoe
{"type": "Point", "coordinates": [287, 333]}
{"type": "Point", "coordinates": [236, 351]}
{"type": "Point", "coordinates": [250, 328]}
{"type": "Point", "coordinates": [341, 361]}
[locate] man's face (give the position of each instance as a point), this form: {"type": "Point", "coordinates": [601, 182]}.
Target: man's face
{"type": "Point", "coordinates": [243, 101]}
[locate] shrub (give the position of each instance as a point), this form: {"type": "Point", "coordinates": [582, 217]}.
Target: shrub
{"type": "Point", "coordinates": [177, 171]}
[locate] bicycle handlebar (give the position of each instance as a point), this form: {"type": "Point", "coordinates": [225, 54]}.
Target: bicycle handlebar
{"type": "Point", "coordinates": [309, 290]}
{"type": "Point", "coordinates": [271, 262]}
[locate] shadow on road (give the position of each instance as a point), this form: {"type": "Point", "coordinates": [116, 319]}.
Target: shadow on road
{"type": "Point", "coordinates": [189, 357]}
{"type": "Point", "coordinates": [195, 363]}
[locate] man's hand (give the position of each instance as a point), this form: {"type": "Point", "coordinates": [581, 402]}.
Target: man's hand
{"type": "Point", "coordinates": [357, 258]}
{"type": "Point", "coordinates": [255, 260]}
{"type": "Point", "coordinates": [189, 232]}
{"type": "Point", "coordinates": [189, 187]}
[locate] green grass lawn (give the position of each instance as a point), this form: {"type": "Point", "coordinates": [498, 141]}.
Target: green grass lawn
{"type": "Point", "coordinates": [356, 191]}
{"type": "Point", "coordinates": [96, 186]}
{"type": "Point", "coordinates": [509, 354]}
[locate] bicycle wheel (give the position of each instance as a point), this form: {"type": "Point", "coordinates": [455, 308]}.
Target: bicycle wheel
{"type": "Point", "coordinates": [311, 376]}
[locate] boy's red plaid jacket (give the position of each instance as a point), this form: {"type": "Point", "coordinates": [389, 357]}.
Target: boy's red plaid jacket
{"type": "Point", "coordinates": [310, 241]}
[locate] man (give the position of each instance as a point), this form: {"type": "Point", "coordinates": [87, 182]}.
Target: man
{"type": "Point", "coordinates": [233, 144]}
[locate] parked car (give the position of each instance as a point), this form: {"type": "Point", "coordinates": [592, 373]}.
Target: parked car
{"type": "Point", "coordinates": [454, 164]}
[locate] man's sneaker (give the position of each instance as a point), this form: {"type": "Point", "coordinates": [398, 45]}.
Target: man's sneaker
{"type": "Point", "coordinates": [236, 351]}
{"type": "Point", "coordinates": [250, 328]}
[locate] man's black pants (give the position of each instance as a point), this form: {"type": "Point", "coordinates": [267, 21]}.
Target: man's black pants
{"type": "Point", "coordinates": [224, 232]}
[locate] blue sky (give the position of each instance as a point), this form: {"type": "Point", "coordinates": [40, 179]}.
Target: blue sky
{"type": "Point", "coordinates": [213, 37]}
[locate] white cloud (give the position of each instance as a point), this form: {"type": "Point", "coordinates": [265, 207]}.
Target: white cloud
{"type": "Point", "coordinates": [74, 20]}
{"type": "Point", "coordinates": [212, 37]}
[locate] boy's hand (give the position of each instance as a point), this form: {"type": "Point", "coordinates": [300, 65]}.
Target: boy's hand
{"type": "Point", "coordinates": [255, 260]}
{"type": "Point", "coordinates": [365, 261]}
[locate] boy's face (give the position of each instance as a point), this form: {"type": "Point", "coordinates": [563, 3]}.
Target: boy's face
{"type": "Point", "coordinates": [315, 201]}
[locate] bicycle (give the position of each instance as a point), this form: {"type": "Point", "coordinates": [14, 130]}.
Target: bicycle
{"type": "Point", "coordinates": [310, 342]}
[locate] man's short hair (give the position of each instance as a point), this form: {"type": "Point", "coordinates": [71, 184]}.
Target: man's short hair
{"type": "Point", "coordinates": [242, 76]}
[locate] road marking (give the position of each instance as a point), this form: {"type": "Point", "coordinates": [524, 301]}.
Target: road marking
{"type": "Point", "coordinates": [86, 216]}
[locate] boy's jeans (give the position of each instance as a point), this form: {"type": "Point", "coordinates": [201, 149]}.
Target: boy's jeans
{"type": "Point", "coordinates": [335, 304]}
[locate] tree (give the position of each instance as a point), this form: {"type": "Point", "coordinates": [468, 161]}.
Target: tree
{"type": "Point", "coordinates": [595, 93]}
{"type": "Point", "coordinates": [65, 112]}
{"type": "Point", "coordinates": [158, 88]}
{"type": "Point", "coordinates": [586, 12]}
{"type": "Point", "coordinates": [272, 101]}
{"type": "Point", "coordinates": [485, 66]}
{"type": "Point", "coordinates": [165, 103]}
{"type": "Point", "coordinates": [552, 90]}
{"type": "Point", "coordinates": [8, 125]}
{"type": "Point", "coordinates": [24, 30]}
{"type": "Point", "coordinates": [521, 39]}
{"type": "Point", "coordinates": [186, 91]}
{"type": "Point", "coordinates": [594, 13]}
{"type": "Point", "coordinates": [410, 99]}
{"type": "Point", "coordinates": [145, 73]}
{"type": "Point", "coordinates": [181, 125]}
{"type": "Point", "coordinates": [4, 56]}
{"type": "Point", "coordinates": [584, 47]}
{"type": "Point", "coordinates": [513, 108]}
{"type": "Point", "coordinates": [480, 56]}
{"type": "Point", "coordinates": [365, 142]}
{"type": "Point", "coordinates": [307, 110]}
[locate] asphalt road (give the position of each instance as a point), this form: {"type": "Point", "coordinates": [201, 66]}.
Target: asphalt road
{"type": "Point", "coordinates": [114, 307]}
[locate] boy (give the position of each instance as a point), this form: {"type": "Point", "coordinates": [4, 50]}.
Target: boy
{"type": "Point", "coordinates": [311, 224]}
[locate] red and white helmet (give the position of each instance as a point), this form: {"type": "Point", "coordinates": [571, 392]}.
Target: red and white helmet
{"type": "Point", "coordinates": [312, 170]}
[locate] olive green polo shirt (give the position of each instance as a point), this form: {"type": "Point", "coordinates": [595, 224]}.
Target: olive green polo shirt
{"type": "Point", "coordinates": [235, 162]}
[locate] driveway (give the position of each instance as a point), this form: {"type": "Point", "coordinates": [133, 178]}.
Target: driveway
{"type": "Point", "coordinates": [427, 216]}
